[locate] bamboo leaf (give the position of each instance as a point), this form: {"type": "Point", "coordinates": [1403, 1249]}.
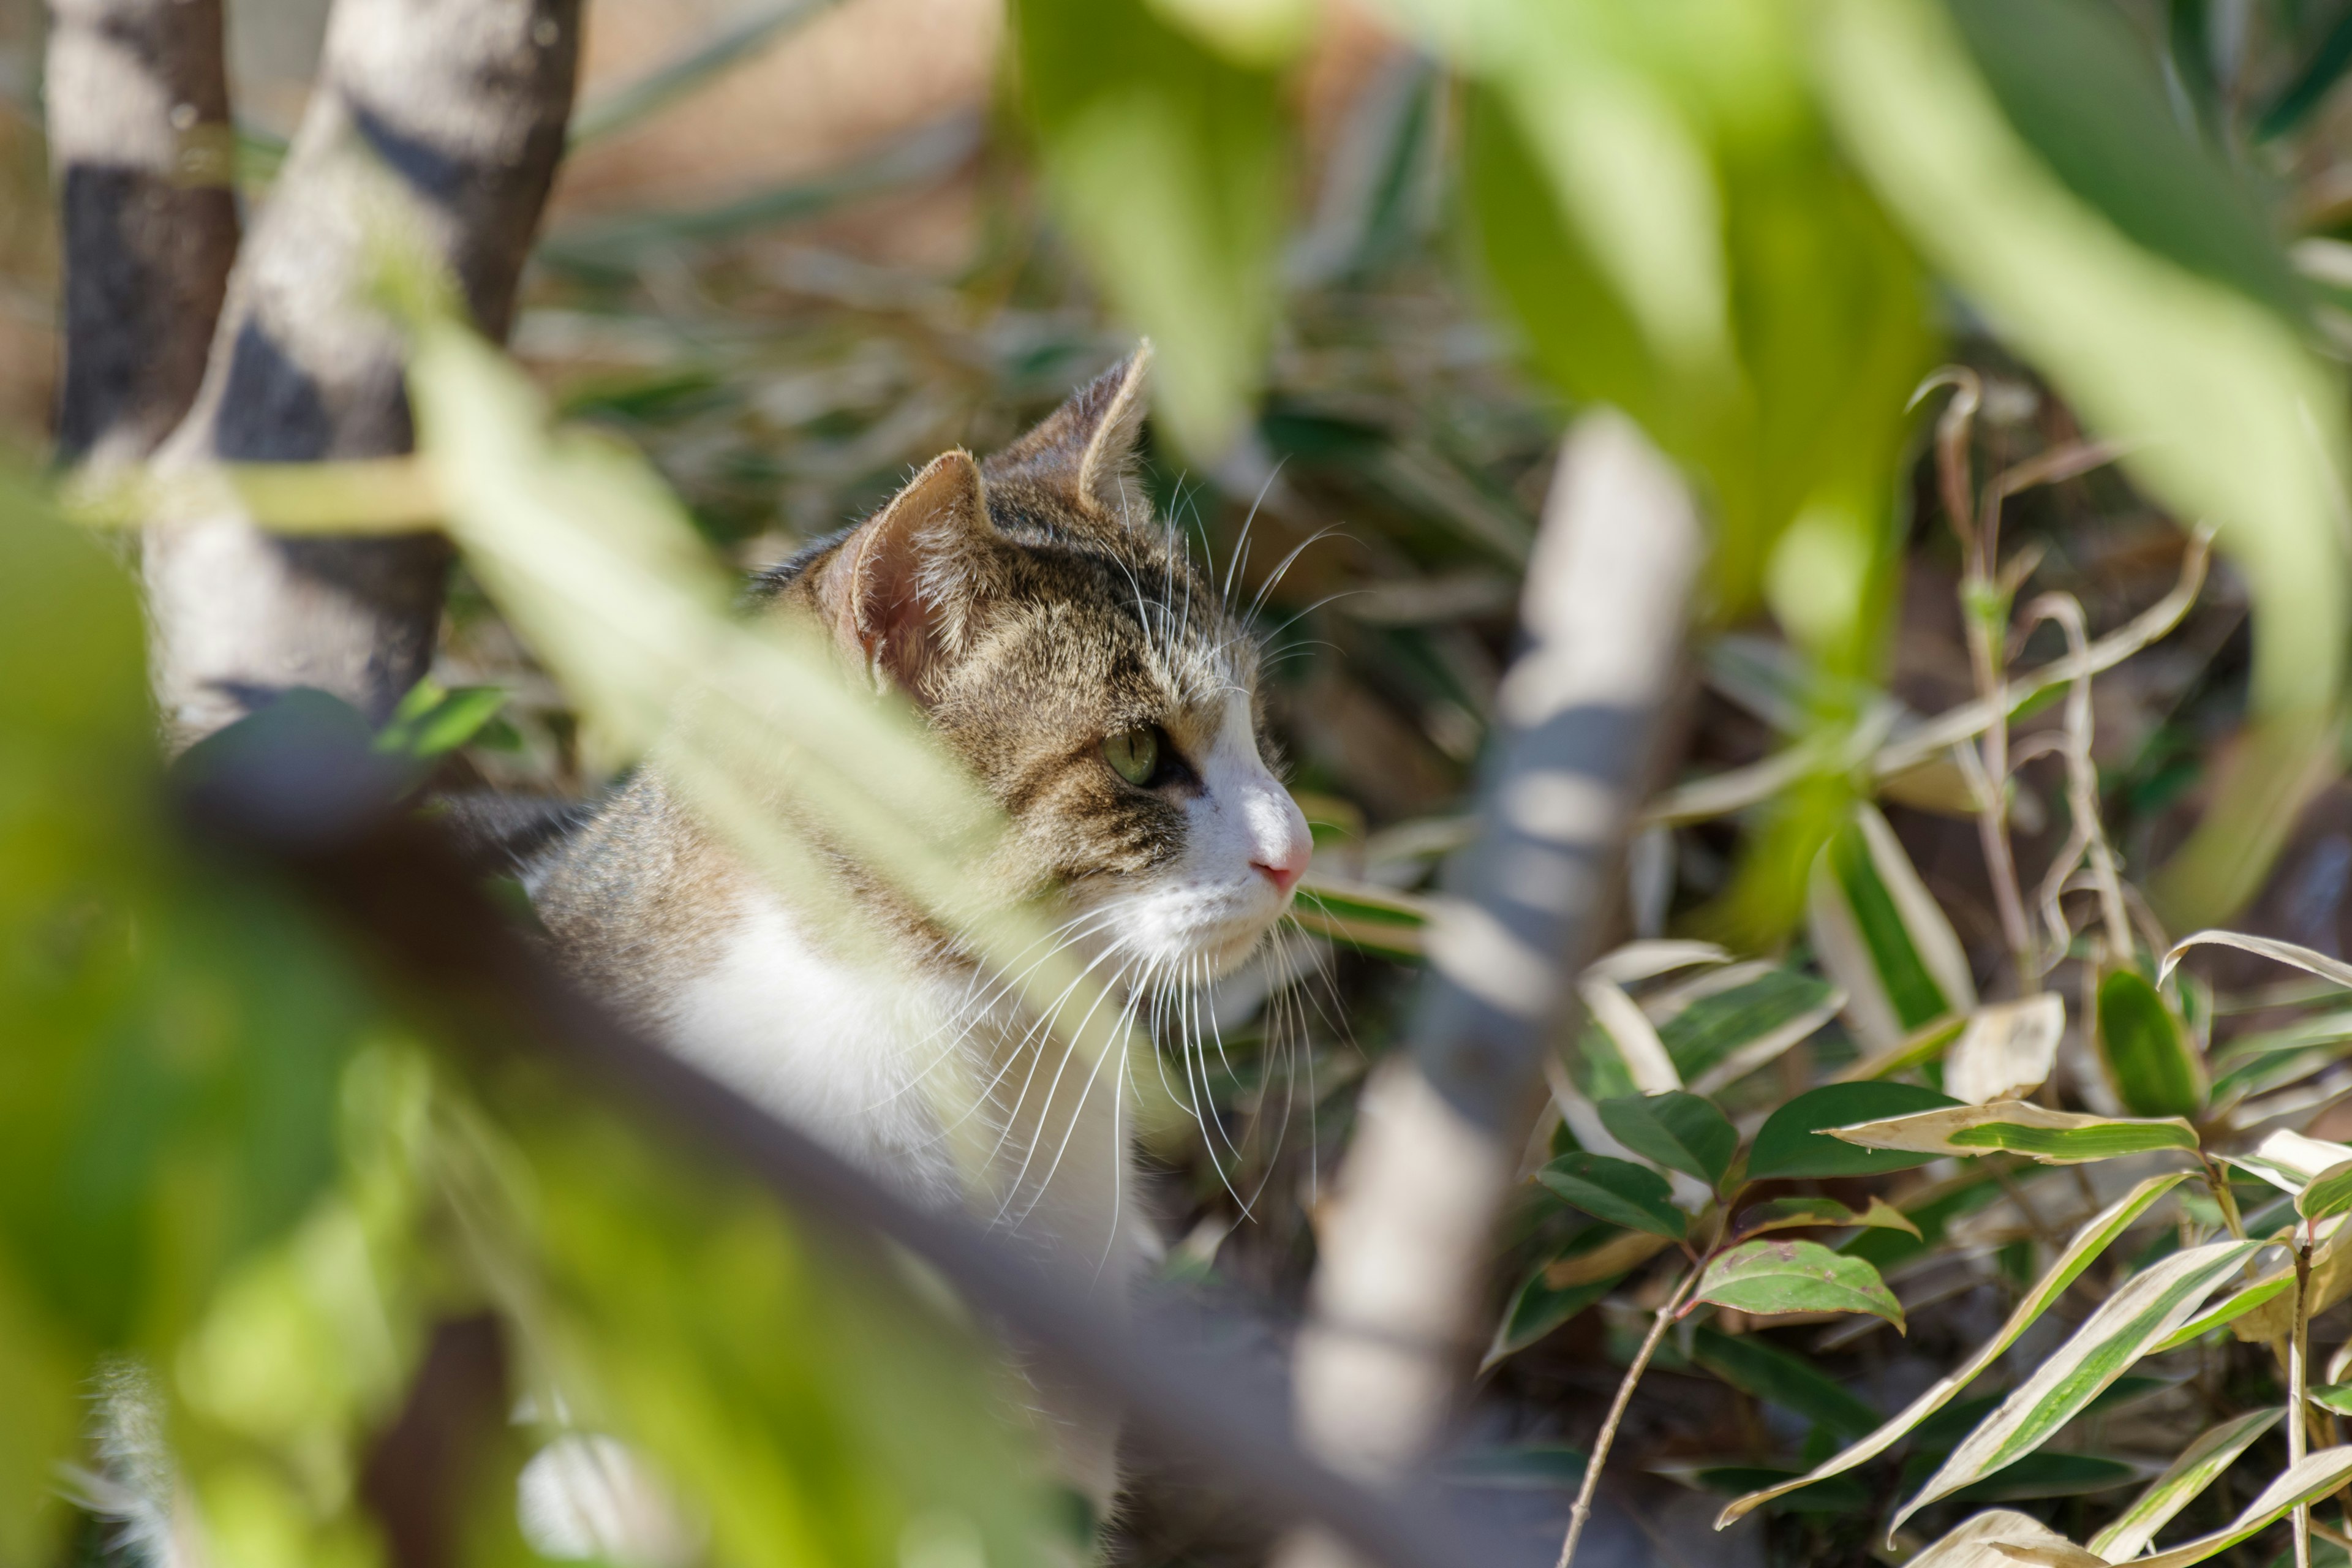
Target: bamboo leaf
{"type": "Point", "coordinates": [2153, 1066]}
{"type": "Point", "coordinates": [1537, 1307]}
{"type": "Point", "coordinates": [1795, 1277]}
{"type": "Point", "coordinates": [2199, 1464]}
{"type": "Point", "coordinates": [1679, 1130]}
{"type": "Point", "coordinates": [1784, 1214]}
{"type": "Point", "coordinates": [2005, 1050]}
{"type": "Point", "coordinates": [1629, 1030]}
{"type": "Point", "coordinates": [1998, 1537]}
{"type": "Point", "coordinates": [1881, 936]}
{"type": "Point", "coordinates": [2333, 970]}
{"type": "Point", "coordinates": [1791, 1144]}
{"type": "Point", "coordinates": [2316, 1475]}
{"type": "Point", "coordinates": [1374, 919]}
{"type": "Point", "coordinates": [2051, 1474]}
{"type": "Point", "coordinates": [2258, 1294]}
{"type": "Point", "coordinates": [2329, 1193]}
{"type": "Point", "coordinates": [1726, 1034]}
{"type": "Point", "coordinates": [1617, 1191]}
{"type": "Point", "coordinates": [2016, 1127]}
{"type": "Point", "coordinates": [1638, 961]}
{"type": "Point", "coordinates": [2093, 1238]}
{"type": "Point", "coordinates": [1764, 1371]}
{"type": "Point", "coordinates": [2143, 1313]}
{"type": "Point", "coordinates": [2290, 1161]}
{"type": "Point", "coordinates": [2336, 1396]}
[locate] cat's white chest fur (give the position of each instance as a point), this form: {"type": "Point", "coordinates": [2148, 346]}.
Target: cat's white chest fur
{"type": "Point", "coordinates": [902, 1075]}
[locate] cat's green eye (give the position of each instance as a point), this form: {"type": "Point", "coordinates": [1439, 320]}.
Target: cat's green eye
{"type": "Point", "coordinates": [1134, 755]}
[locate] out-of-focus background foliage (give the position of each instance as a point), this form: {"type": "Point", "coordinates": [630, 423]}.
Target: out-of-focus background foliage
{"type": "Point", "coordinates": [1385, 251]}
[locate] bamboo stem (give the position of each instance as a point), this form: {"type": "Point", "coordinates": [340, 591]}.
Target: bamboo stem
{"type": "Point", "coordinates": [1583, 1509]}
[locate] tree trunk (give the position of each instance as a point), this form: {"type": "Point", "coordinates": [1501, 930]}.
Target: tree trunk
{"type": "Point", "coordinates": [438, 123]}
{"type": "Point", "coordinates": [140, 149]}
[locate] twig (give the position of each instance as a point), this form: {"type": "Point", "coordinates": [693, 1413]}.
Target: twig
{"type": "Point", "coordinates": [2297, 1420]}
{"type": "Point", "coordinates": [1599, 1456]}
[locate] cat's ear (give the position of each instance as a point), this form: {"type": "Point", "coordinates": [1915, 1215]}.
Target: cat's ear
{"type": "Point", "coordinates": [902, 592]}
{"type": "Point", "coordinates": [1084, 451]}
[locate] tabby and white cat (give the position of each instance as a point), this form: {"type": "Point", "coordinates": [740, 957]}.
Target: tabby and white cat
{"type": "Point", "coordinates": [1062, 646]}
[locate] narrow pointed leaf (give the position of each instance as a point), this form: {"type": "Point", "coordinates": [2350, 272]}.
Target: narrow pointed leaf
{"type": "Point", "coordinates": [1762, 1370]}
{"type": "Point", "coordinates": [2049, 1474]}
{"type": "Point", "coordinates": [1791, 1144]}
{"type": "Point", "coordinates": [2093, 1238]}
{"type": "Point", "coordinates": [2141, 1314]}
{"type": "Point", "coordinates": [1726, 1035]}
{"type": "Point", "coordinates": [2018, 1126]}
{"type": "Point", "coordinates": [1678, 1130]}
{"type": "Point", "coordinates": [2154, 1066]}
{"type": "Point", "coordinates": [2333, 970]}
{"type": "Point", "coordinates": [1629, 1030]}
{"type": "Point", "coordinates": [2260, 1293]}
{"type": "Point", "coordinates": [1788, 1214]}
{"type": "Point", "coordinates": [2179, 1485]}
{"type": "Point", "coordinates": [1536, 1309]}
{"type": "Point", "coordinates": [1617, 1191]}
{"type": "Point", "coordinates": [1881, 936]}
{"type": "Point", "coordinates": [1795, 1277]}
{"type": "Point", "coordinates": [2316, 1475]}
{"type": "Point", "coordinates": [1648, 959]}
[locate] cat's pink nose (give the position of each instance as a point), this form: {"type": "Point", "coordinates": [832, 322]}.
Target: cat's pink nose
{"type": "Point", "coordinates": [1285, 870]}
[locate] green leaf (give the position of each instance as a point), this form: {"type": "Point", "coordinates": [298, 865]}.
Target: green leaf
{"type": "Point", "coordinates": [1617, 1191]}
{"type": "Point", "coordinates": [1768, 1277]}
{"type": "Point", "coordinates": [2314, 1478]}
{"type": "Point", "coordinates": [1785, 1214]}
{"type": "Point", "coordinates": [2048, 1475]}
{"type": "Point", "coordinates": [1727, 1034]}
{"type": "Point", "coordinates": [2336, 1396]}
{"type": "Point", "coordinates": [2290, 1161]}
{"type": "Point", "coordinates": [431, 721]}
{"type": "Point", "coordinates": [2017, 1127]}
{"type": "Point", "coordinates": [1373, 919]}
{"type": "Point", "coordinates": [1169, 167]}
{"type": "Point", "coordinates": [2144, 1311]}
{"type": "Point", "coordinates": [2154, 1066]}
{"type": "Point", "coordinates": [2233, 1307]}
{"type": "Point", "coordinates": [2330, 1193]}
{"type": "Point", "coordinates": [1679, 1130]}
{"type": "Point", "coordinates": [1538, 1307]}
{"type": "Point", "coordinates": [1882, 937]}
{"type": "Point", "coordinates": [1762, 1370]}
{"type": "Point", "coordinates": [2093, 1238]}
{"type": "Point", "coordinates": [1791, 1143]}
{"type": "Point", "coordinates": [2198, 1467]}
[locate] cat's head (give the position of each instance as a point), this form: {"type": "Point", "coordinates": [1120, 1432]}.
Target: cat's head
{"type": "Point", "coordinates": [1065, 646]}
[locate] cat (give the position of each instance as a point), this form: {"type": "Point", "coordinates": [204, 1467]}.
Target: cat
{"type": "Point", "coordinates": [1062, 644]}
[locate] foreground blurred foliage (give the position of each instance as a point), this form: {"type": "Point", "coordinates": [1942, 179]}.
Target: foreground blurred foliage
{"type": "Point", "coordinates": [1755, 227]}
{"type": "Point", "coordinates": [229, 1159]}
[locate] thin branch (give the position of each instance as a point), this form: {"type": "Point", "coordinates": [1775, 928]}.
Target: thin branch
{"type": "Point", "coordinates": [1600, 1445]}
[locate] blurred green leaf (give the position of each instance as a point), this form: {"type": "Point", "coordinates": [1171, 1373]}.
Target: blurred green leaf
{"type": "Point", "coordinates": [431, 721]}
{"type": "Point", "coordinates": [1727, 1033]}
{"type": "Point", "coordinates": [1762, 1370]}
{"type": "Point", "coordinates": [1882, 937]}
{"type": "Point", "coordinates": [2150, 1060]}
{"type": "Point", "coordinates": [1616, 1191]}
{"type": "Point", "coordinates": [1791, 1144]}
{"type": "Point", "coordinates": [2330, 1194]}
{"type": "Point", "coordinates": [1795, 1277]}
{"type": "Point", "coordinates": [1677, 1130]}
{"type": "Point", "coordinates": [1169, 166]}
{"type": "Point", "coordinates": [2048, 1475]}
{"type": "Point", "coordinates": [1538, 1307]}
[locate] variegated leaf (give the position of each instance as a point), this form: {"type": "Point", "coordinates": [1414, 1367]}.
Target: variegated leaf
{"type": "Point", "coordinates": [1788, 1214]}
{"type": "Point", "coordinates": [1996, 1538]}
{"type": "Point", "coordinates": [2180, 1483]}
{"type": "Point", "coordinates": [2142, 1312]}
{"type": "Point", "coordinates": [2093, 1238]}
{"type": "Point", "coordinates": [1881, 936]}
{"type": "Point", "coordinates": [2333, 970]}
{"type": "Point", "coordinates": [2289, 1160]}
{"type": "Point", "coordinates": [2005, 1050]}
{"type": "Point", "coordinates": [2018, 1126]}
{"type": "Point", "coordinates": [2308, 1480]}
